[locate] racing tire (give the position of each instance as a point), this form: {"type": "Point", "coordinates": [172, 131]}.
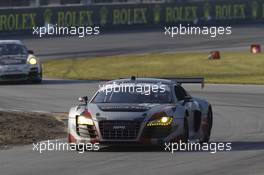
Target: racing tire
{"type": "Point", "coordinates": [185, 134]}
{"type": "Point", "coordinates": [38, 81]}
{"type": "Point", "coordinates": [207, 134]}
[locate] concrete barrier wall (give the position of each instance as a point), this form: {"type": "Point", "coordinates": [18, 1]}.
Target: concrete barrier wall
{"type": "Point", "coordinates": [131, 16]}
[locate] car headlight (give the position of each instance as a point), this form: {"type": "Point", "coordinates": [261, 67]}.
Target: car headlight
{"type": "Point", "coordinates": [32, 61]}
{"type": "Point", "coordinates": [82, 120]}
{"type": "Point", "coordinates": [163, 121]}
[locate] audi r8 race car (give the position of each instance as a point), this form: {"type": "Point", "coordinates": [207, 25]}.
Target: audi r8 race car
{"type": "Point", "coordinates": [17, 63]}
{"type": "Point", "coordinates": [141, 111]}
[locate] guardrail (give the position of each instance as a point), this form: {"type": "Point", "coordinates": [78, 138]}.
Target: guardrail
{"type": "Point", "coordinates": [134, 15]}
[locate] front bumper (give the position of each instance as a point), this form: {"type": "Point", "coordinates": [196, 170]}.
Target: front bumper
{"type": "Point", "coordinates": [31, 74]}
{"type": "Point", "coordinates": [143, 135]}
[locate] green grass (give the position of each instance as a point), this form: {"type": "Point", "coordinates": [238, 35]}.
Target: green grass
{"type": "Point", "coordinates": [234, 67]}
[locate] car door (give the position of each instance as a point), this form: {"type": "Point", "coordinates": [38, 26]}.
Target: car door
{"type": "Point", "coordinates": [181, 98]}
{"type": "Point", "coordinates": [194, 114]}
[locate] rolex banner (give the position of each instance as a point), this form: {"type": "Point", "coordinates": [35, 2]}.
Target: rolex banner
{"type": "Point", "coordinates": [22, 20]}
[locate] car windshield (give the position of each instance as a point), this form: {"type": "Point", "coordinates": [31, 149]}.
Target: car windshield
{"type": "Point", "coordinates": [12, 49]}
{"type": "Point", "coordinates": [134, 94]}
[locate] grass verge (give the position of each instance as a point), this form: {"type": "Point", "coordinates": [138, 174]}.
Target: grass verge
{"type": "Point", "coordinates": [234, 67]}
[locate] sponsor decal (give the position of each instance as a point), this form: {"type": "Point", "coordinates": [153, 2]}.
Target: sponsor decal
{"type": "Point", "coordinates": [10, 61]}
{"type": "Point", "coordinates": [119, 127]}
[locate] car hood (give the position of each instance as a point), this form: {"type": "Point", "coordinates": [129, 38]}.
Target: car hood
{"type": "Point", "coordinates": [114, 111]}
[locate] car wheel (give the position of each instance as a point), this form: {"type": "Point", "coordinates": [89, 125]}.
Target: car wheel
{"type": "Point", "coordinates": [207, 132]}
{"type": "Point", "coordinates": [185, 134]}
{"type": "Point", "coordinates": [37, 81]}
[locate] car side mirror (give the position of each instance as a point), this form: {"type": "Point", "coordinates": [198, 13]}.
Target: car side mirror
{"type": "Point", "coordinates": [83, 99]}
{"type": "Point", "coordinates": [187, 99]}
{"type": "Point", "coordinates": [30, 52]}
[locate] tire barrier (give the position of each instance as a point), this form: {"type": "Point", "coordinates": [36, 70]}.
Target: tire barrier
{"type": "Point", "coordinates": [255, 48]}
{"type": "Point", "coordinates": [214, 55]}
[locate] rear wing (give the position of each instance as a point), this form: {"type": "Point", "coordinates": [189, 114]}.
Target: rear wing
{"type": "Point", "coordinates": [198, 80]}
{"type": "Point", "coordinates": [180, 80]}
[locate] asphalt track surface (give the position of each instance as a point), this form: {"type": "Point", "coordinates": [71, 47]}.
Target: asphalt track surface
{"type": "Point", "coordinates": [238, 118]}
{"type": "Point", "coordinates": [238, 114]}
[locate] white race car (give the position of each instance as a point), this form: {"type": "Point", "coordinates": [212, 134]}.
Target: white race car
{"type": "Point", "coordinates": [17, 63]}
{"type": "Point", "coordinates": [122, 117]}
